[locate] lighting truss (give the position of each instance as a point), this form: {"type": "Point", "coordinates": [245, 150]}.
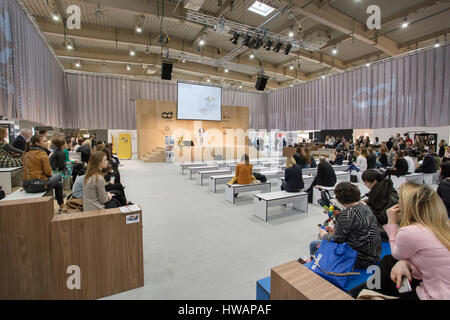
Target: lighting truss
{"type": "Point", "coordinates": [223, 25]}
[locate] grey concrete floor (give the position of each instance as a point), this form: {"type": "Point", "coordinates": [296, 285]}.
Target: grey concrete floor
{"type": "Point", "coordinates": [198, 246]}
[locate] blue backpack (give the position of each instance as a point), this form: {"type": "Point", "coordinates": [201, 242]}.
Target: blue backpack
{"type": "Point", "coordinates": [335, 262]}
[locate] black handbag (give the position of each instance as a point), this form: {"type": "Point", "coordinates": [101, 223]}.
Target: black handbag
{"type": "Point", "coordinates": [34, 185]}
{"type": "Point", "coordinates": [353, 178]}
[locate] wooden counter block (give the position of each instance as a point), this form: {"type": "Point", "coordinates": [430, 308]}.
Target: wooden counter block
{"type": "Point", "coordinates": [108, 251]}
{"type": "Point", "coordinates": [293, 281]}
{"type": "Point", "coordinates": [25, 270]}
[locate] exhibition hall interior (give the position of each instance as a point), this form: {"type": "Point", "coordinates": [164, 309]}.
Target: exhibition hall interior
{"type": "Point", "coordinates": [224, 150]}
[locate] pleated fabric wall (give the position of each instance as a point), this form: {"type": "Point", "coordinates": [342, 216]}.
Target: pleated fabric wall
{"type": "Point", "coordinates": [105, 102]}
{"type": "Point", "coordinates": [409, 91]}
{"type": "Point", "coordinates": [32, 85]}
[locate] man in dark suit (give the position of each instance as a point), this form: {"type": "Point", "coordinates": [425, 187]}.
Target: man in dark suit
{"type": "Point", "coordinates": [21, 140]}
{"type": "Point", "coordinates": [326, 177]}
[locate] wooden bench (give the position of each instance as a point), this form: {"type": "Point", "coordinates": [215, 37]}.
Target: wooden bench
{"type": "Point", "coordinates": [187, 165]}
{"type": "Point", "coordinates": [201, 175]}
{"type": "Point", "coordinates": [293, 281]}
{"type": "Point", "coordinates": [263, 201]}
{"type": "Point", "coordinates": [10, 178]}
{"type": "Point", "coordinates": [194, 170]}
{"type": "Point", "coordinates": [214, 181]}
{"type": "Point", "coordinates": [231, 190]}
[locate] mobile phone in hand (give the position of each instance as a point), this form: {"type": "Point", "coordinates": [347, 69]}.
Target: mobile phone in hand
{"type": "Point", "coordinates": [405, 286]}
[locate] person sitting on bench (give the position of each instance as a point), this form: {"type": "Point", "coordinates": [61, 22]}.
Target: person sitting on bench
{"type": "Point", "coordinates": [356, 225]}
{"type": "Point", "coordinates": [95, 196]}
{"type": "Point", "coordinates": [36, 165]}
{"type": "Point", "coordinates": [9, 156]}
{"type": "Point", "coordinates": [420, 246]}
{"type": "Point", "coordinates": [244, 171]}
{"type": "Point", "coordinates": [338, 158]}
{"type": "Point", "coordinates": [443, 189]}
{"type": "Point", "coordinates": [325, 177]}
{"type": "Point", "coordinates": [381, 197]}
{"type": "Point", "coordinates": [383, 160]}
{"type": "Point", "coordinates": [293, 178]}
{"type": "Point", "coordinates": [371, 159]}
{"type": "Point", "coordinates": [400, 166]}
{"type": "Point", "coordinates": [428, 165]}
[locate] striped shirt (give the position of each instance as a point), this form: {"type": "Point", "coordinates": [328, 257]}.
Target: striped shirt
{"type": "Point", "coordinates": [357, 226]}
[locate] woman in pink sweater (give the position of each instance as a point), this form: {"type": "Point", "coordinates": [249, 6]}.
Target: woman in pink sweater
{"type": "Point", "coordinates": [420, 245]}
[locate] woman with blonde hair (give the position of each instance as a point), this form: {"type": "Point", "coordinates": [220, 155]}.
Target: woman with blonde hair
{"type": "Point", "coordinates": [293, 177]}
{"type": "Point", "coordinates": [420, 245]}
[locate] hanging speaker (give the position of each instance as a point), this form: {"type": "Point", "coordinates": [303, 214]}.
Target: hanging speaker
{"type": "Point", "coordinates": [166, 70]}
{"type": "Point", "coordinates": [261, 83]}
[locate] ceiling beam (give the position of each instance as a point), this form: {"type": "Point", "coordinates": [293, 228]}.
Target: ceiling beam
{"type": "Point", "coordinates": [365, 58]}
{"type": "Point", "coordinates": [130, 38]}
{"type": "Point", "coordinates": [413, 9]}
{"type": "Point", "coordinates": [344, 23]}
{"type": "Point", "coordinates": [316, 57]}
{"type": "Point", "coordinates": [154, 59]}
{"type": "Point", "coordinates": [425, 38]}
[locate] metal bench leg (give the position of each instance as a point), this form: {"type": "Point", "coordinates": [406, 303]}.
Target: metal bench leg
{"type": "Point", "coordinates": [302, 204]}
{"type": "Point", "coordinates": [229, 194]}
{"type": "Point", "coordinates": [260, 209]}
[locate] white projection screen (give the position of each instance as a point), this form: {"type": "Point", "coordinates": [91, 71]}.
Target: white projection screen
{"type": "Point", "coordinates": [199, 102]}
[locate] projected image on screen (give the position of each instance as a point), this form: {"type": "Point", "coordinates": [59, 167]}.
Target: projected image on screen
{"type": "Point", "coordinates": [197, 102]}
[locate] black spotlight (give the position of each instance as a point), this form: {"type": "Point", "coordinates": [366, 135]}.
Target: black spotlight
{"type": "Point", "coordinates": [278, 46]}
{"type": "Point", "coordinates": [287, 49]}
{"type": "Point", "coordinates": [252, 43]}
{"type": "Point", "coordinates": [258, 43]}
{"type": "Point", "coordinates": [247, 40]}
{"type": "Point", "coordinates": [235, 38]}
{"type": "Point", "coordinates": [268, 44]}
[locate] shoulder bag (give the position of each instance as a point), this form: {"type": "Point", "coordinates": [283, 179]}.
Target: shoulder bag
{"type": "Point", "coordinates": [33, 185]}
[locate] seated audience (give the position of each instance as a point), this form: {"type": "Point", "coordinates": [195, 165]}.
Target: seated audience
{"type": "Point", "coordinates": [244, 171]}
{"type": "Point", "coordinates": [293, 178]}
{"type": "Point", "coordinates": [420, 246]}
{"type": "Point", "coordinates": [428, 165]}
{"type": "Point", "coordinates": [392, 154]}
{"type": "Point", "coordinates": [77, 188]}
{"type": "Point", "coordinates": [383, 158]}
{"type": "Point", "coordinates": [442, 146]}
{"type": "Point", "coordinates": [338, 158]}
{"type": "Point", "coordinates": [400, 166]}
{"type": "Point", "coordinates": [85, 151]}
{"type": "Point", "coordinates": [443, 189]}
{"type": "Point", "coordinates": [95, 196]}
{"type": "Point", "coordinates": [410, 160]}
{"type": "Point", "coordinates": [58, 158]}
{"type": "Point", "coordinates": [446, 155]}
{"type": "Point", "coordinates": [371, 159]}
{"type": "Point", "coordinates": [78, 145]}
{"type": "Point", "coordinates": [325, 177]}
{"type": "Point", "coordinates": [9, 156]}
{"type": "Point", "coordinates": [36, 165]}
{"type": "Point", "coordinates": [356, 225]}
{"type": "Point", "coordinates": [381, 197]}
{"type": "Point", "coordinates": [361, 162]}
{"type": "Point", "coordinates": [310, 162]}
{"type": "Point", "coordinates": [114, 187]}
{"type": "Point", "coordinates": [22, 139]}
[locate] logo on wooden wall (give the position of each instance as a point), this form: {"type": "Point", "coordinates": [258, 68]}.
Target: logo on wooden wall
{"type": "Point", "coordinates": [167, 115]}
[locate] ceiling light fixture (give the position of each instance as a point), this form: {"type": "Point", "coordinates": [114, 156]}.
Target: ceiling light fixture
{"type": "Point", "coordinates": [252, 56]}
{"type": "Point", "coordinates": [55, 17]}
{"type": "Point", "coordinates": [268, 45]}
{"type": "Point", "coordinates": [226, 70]}
{"type": "Point", "coordinates": [437, 44]}
{"type": "Point", "coordinates": [208, 80]}
{"type": "Point", "coordinates": [132, 52]}
{"type": "Point", "coordinates": [323, 77]}
{"type": "Point", "coordinates": [201, 42]}
{"type": "Point", "coordinates": [78, 63]}
{"type": "Point", "coordinates": [367, 65]}
{"type": "Point", "coordinates": [139, 29]}
{"type": "Point", "coordinates": [291, 34]}
{"type": "Point", "coordinates": [246, 41]}
{"type": "Point", "coordinates": [235, 38]}
{"type": "Point", "coordinates": [335, 51]}
{"type": "Point", "coordinates": [291, 67]}
{"type": "Point", "coordinates": [128, 67]}
{"type": "Point", "coordinates": [405, 23]}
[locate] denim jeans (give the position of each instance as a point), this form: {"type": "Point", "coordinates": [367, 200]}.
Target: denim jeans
{"type": "Point", "coordinates": [54, 182]}
{"type": "Point", "coordinates": [313, 247]}
{"type": "Point", "coordinates": [353, 167]}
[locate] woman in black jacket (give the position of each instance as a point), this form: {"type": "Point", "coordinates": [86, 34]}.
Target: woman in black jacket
{"type": "Point", "coordinates": [400, 166]}
{"type": "Point", "coordinates": [443, 189]}
{"type": "Point", "coordinates": [293, 178]}
{"type": "Point", "coordinates": [428, 164]}
{"type": "Point", "coordinates": [381, 197]}
{"type": "Point", "coordinates": [58, 158]}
